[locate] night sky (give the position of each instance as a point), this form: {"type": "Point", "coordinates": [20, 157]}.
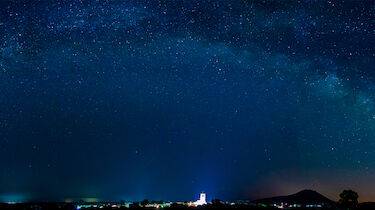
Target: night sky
{"type": "Point", "coordinates": [157, 99]}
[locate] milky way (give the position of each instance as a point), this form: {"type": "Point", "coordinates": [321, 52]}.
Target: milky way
{"type": "Point", "coordinates": [163, 99]}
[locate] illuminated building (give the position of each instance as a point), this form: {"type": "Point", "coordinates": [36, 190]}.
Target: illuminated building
{"type": "Point", "coordinates": [202, 200]}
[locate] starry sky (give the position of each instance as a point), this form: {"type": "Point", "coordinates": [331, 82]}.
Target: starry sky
{"type": "Point", "coordinates": [162, 99]}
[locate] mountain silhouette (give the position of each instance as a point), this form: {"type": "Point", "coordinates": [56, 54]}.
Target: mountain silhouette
{"type": "Point", "coordinates": [302, 197]}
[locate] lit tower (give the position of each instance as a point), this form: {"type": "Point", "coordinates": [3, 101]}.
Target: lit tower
{"type": "Point", "coordinates": [202, 200]}
{"type": "Point", "coordinates": [203, 197]}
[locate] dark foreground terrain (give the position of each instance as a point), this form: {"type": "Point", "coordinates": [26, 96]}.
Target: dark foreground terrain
{"type": "Point", "coordinates": [70, 206]}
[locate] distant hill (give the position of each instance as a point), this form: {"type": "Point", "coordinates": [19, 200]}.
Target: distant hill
{"type": "Point", "coordinates": [302, 197]}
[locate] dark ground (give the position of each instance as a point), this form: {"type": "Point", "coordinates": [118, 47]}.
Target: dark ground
{"type": "Point", "coordinates": [64, 206]}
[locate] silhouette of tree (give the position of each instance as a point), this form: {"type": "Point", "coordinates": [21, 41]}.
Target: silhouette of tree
{"type": "Point", "coordinates": [157, 202]}
{"type": "Point", "coordinates": [134, 205]}
{"type": "Point", "coordinates": [122, 202]}
{"type": "Point", "coordinates": [348, 199]}
{"type": "Point", "coordinates": [145, 202]}
{"type": "Point", "coordinates": [216, 202]}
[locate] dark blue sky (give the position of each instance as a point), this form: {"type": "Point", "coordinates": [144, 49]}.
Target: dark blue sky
{"type": "Point", "coordinates": [163, 99]}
